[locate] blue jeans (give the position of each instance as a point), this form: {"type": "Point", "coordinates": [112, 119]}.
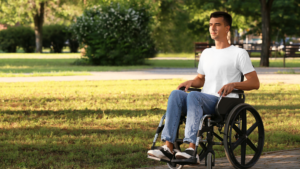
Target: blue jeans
{"type": "Point", "coordinates": [194, 104]}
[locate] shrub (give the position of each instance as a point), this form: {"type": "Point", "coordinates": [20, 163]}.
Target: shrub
{"type": "Point", "coordinates": [115, 34]}
{"type": "Point", "coordinates": [73, 42]}
{"type": "Point", "coordinates": [27, 39]}
{"type": "Point", "coordinates": [19, 36]}
{"type": "Point", "coordinates": [54, 37]}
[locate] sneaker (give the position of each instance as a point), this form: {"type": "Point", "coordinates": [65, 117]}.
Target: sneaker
{"type": "Point", "coordinates": [188, 153]}
{"type": "Point", "coordinates": [161, 153]}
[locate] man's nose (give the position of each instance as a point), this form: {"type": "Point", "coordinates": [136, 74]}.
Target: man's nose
{"type": "Point", "coordinates": [213, 27]}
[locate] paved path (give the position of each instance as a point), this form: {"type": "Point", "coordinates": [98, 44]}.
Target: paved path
{"type": "Point", "coordinates": [266, 75]}
{"type": "Point", "coordinates": [289, 159]}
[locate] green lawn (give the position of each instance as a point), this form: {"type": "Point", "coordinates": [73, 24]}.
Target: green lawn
{"type": "Point", "coordinates": [66, 65]}
{"type": "Point", "coordinates": [111, 124]}
{"type": "Point", "coordinates": [55, 65]}
{"type": "Point", "coordinates": [39, 55]}
{"type": "Point", "coordinates": [192, 55]}
{"type": "Point", "coordinates": [39, 74]}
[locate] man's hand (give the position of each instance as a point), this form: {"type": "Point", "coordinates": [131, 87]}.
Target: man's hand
{"type": "Point", "coordinates": [226, 89]}
{"type": "Point", "coordinates": [251, 83]}
{"type": "Point", "coordinates": [186, 84]}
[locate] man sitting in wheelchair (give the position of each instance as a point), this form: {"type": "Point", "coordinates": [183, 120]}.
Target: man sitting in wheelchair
{"type": "Point", "coordinates": [219, 72]}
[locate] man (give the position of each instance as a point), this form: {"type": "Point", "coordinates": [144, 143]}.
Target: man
{"type": "Point", "coordinates": [219, 71]}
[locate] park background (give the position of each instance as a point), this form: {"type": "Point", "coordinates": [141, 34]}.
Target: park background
{"type": "Point", "coordinates": [111, 124]}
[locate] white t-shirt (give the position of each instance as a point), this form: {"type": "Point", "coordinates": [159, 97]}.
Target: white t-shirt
{"type": "Point", "coordinates": [223, 66]}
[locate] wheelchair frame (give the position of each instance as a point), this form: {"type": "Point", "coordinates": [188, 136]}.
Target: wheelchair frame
{"type": "Point", "coordinates": [229, 112]}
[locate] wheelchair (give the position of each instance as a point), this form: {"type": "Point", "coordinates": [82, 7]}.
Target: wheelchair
{"type": "Point", "coordinates": [243, 134]}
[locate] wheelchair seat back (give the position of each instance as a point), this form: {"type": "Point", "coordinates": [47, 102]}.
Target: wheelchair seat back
{"type": "Point", "coordinates": [227, 104]}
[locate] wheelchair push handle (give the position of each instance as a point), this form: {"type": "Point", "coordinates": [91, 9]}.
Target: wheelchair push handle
{"type": "Point", "coordinates": [190, 89]}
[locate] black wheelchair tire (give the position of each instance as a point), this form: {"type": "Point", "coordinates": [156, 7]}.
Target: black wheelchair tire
{"type": "Point", "coordinates": [170, 165]}
{"type": "Point", "coordinates": [209, 161]}
{"type": "Point", "coordinates": [229, 146]}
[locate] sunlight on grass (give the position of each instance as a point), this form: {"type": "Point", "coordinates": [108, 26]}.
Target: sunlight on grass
{"type": "Point", "coordinates": [295, 62]}
{"type": "Point", "coordinates": [111, 124]}
{"type": "Point", "coordinates": [38, 74]}
{"type": "Point", "coordinates": [176, 55]}
{"type": "Point", "coordinates": [39, 55]}
{"type": "Point", "coordinates": [63, 64]}
{"type": "Point", "coordinates": [291, 71]}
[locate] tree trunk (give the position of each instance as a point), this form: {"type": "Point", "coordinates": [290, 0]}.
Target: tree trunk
{"type": "Point", "coordinates": [265, 49]}
{"type": "Point", "coordinates": [38, 27]}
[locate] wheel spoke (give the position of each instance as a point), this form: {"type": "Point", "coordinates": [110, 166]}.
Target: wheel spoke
{"type": "Point", "coordinates": [249, 142]}
{"type": "Point", "coordinates": [237, 143]}
{"type": "Point", "coordinates": [243, 152]}
{"type": "Point", "coordinates": [237, 129]}
{"type": "Point", "coordinates": [251, 129]}
{"type": "Point", "coordinates": [244, 144]}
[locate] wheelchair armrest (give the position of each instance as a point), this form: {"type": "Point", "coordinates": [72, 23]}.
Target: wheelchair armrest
{"type": "Point", "coordinates": [190, 89]}
{"type": "Point", "coordinates": [238, 91]}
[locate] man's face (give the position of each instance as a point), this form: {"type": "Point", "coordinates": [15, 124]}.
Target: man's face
{"type": "Point", "coordinates": [217, 28]}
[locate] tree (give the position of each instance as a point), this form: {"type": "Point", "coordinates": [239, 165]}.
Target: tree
{"type": "Point", "coordinates": [246, 8]}
{"type": "Point", "coordinates": [285, 19]}
{"type": "Point", "coordinates": [266, 6]}
{"type": "Point", "coordinates": [242, 17]}
{"type": "Point", "coordinates": [34, 11]}
{"type": "Point", "coordinates": [283, 22]}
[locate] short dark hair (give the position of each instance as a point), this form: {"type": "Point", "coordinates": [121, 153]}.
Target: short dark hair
{"type": "Point", "coordinates": [227, 17]}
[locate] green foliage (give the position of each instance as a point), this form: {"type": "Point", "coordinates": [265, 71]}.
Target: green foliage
{"type": "Point", "coordinates": [54, 37]}
{"type": "Point", "coordinates": [115, 34]}
{"type": "Point", "coordinates": [171, 32]}
{"type": "Point", "coordinates": [73, 43]}
{"type": "Point", "coordinates": [8, 41]}
{"type": "Point", "coordinates": [285, 19]}
{"type": "Point", "coordinates": [19, 36]}
{"type": "Point", "coordinates": [56, 11]}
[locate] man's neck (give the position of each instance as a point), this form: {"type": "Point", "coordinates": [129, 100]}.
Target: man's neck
{"type": "Point", "coordinates": [222, 44]}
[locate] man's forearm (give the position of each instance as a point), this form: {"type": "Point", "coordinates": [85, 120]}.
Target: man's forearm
{"type": "Point", "coordinates": [197, 82]}
{"type": "Point", "coordinates": [246, 85]}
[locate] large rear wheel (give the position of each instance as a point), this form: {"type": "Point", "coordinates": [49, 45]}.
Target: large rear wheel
{"type": "Point", "coordinates": [243, 134]}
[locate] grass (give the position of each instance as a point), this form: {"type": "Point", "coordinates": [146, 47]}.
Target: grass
{"type": "Point", "coordinates": [192, 55]}
{"type": "Point", "coordinates": [39, 55]}
{"type": "Point", "coordinates": [48, 65]}
{"type": "Point", "coordinates": [111, 124]}
{"type": "Point", "coordinates": [295, 62]}
{"type": "Point", "coordinates": [66, 65]}
{"type": "Point", "coordinates": [176, 55]}
{"type": "Point", "coordinates": [37, 74]}
{"type": "Point", "coordinates": [291, 71]}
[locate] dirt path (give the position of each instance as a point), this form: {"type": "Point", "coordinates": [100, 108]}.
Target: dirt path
{"type": "Point", "coordinates": [289, 159]}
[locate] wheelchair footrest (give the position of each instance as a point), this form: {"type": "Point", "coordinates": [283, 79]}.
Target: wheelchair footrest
{"type": "Point", "coordinates": [157, 159]}
{"type": "Point", "coordinates": [189, 161]}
